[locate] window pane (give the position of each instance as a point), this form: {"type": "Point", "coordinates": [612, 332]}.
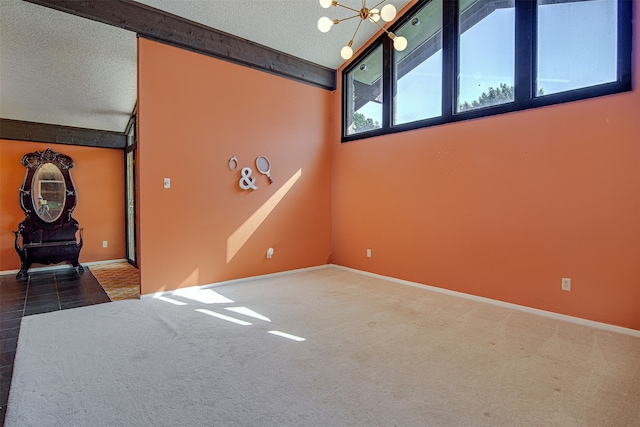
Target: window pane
{"type": "Point", "coordinates": [364, 94]}
{"type": "Point", "coordinates": [487, 53]}
{"type": "Point", "coordinates": [418, 91]}
{"type": "Point", "coordinates": [577, 44]}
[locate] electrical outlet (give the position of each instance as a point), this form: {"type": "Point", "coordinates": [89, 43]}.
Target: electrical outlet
{"type": "Point", "coordinates": [368, 253]}
{"type": "Point", "coordinates": [105, 243]}
{"type": "Point", "coordinates": [566, 284]}
{"type": "Point", "coordinates": [167, 183]}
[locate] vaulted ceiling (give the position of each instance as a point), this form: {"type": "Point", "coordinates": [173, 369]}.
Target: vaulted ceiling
{"type": "Point", "coordinates": [72, 63]}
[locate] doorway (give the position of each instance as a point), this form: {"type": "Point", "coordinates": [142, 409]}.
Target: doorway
{"type": "Point", "coordinates": [130, 189]}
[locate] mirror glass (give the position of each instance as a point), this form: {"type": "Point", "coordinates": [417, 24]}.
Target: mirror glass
{"type": "Point", "coordinates": [48, 192]}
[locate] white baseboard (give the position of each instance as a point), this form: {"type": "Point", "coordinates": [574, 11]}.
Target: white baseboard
{"type": "Point", "coordinates": [61, 266]}
{"type": "Point", "coordinates": [558, 316]}
{"type": "Point", "coordinates": [242, 280]}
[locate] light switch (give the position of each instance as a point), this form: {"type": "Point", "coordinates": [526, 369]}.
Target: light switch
{"type": "Point", "coordinates": [167, 183]}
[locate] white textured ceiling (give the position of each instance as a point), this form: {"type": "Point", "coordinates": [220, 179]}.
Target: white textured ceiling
{"type": "Point", "coordinates": [61, 69]}
{"type": "Point", "coordinates": [289, 26]}
{"type": "Point", "coordinates": [58, 68]}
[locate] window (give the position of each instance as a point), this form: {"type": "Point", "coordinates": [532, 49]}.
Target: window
{"type": "Point", "coordinates": [364, 91]}
{"type": "Point", "coordinates": [418, 90]}
{"type": "Point", "coordinates": [487, 54]}
{"type": "Point", "coordinates": [473, 58]}
{"type": "Point", "coordinates": [576, 44]}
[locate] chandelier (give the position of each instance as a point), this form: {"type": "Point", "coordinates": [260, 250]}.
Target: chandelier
{"type": "Point", "coordinates": [387, 13]}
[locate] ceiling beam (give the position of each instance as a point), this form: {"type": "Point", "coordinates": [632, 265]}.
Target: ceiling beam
{"type": "Point", "coordinates": [56, 134]}
{"type": "Point", "coordinates": [168, 28]}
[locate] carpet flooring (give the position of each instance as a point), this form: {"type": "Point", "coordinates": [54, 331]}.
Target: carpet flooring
{"type": "Point", "coordinates": [41, 292]}
{"type": "Point", "coordinates": [120, 280]}
{"type": "Point", "coordinates": [324, 347]}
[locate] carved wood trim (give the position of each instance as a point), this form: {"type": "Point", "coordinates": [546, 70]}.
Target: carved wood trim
{"type": "Point", "coordinates": [56, 134]}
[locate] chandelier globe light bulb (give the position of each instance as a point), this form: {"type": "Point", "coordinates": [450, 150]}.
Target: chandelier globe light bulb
{"type": "Point", "coordinates": [346, 52]}
{"type": "Point", "coordinates": [388, 12]}
{"type": "Point", "coordinates": [374, 15]}
{"type": "Point", "coordinates": [324, 24]}
{"type": "Point", "coordinates": [400, 43]}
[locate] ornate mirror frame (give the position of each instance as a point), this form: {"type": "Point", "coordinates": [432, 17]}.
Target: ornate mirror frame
{"type": "Point", "coordinates": [32, 162]}
{"type": "Point", "coordinates": [47, 241]}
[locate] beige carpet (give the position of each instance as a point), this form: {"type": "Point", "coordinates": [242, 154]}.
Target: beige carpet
{"type": "Point", "coordinates": [323, 347]}
{"type": "Point", "coordinates": [120, 280]}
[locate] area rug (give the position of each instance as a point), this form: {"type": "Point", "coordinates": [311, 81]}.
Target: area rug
{"type": "Point", "coordinates": [120, 280]}
{"type": "Point", "coordinates": [323, 347]}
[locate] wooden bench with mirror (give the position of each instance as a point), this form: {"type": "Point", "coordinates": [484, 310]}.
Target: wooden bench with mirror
{"type": "Point", "coordinates": [48, 234]}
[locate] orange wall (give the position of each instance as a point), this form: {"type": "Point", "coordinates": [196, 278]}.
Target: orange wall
{"type": "Point", "coordinates": [98, 175]}
{"type": "Point", "coordinates": [504, 206]}
{"type": "Point", "coordinates": [195, 112]}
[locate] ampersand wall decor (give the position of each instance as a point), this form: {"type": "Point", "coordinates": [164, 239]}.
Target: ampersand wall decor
{"type": "Point", "coordinates": [246, 182]}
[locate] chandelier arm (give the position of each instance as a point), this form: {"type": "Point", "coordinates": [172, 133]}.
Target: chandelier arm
{"type": "Point", "coordinates": [381, 27]}
{"type": "Point", "coordinates": [355, 32]}
{"type": "Point", "coordinates": [337, 21]}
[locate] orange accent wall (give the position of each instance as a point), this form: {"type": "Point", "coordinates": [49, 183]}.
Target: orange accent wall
{"type": "Point", "coordinates": [194, 113]}
{"type": "Point", "coordinates": [98, 175]}
{"type": "Point", "coordinates": [501, 207]}
{"type": "Point", "coordinates": [504, 206]}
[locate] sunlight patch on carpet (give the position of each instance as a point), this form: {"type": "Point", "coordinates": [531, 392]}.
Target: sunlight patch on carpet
{"type": "Point", "coordinates": [248, 312]}
{"type": "Point", "coordinates": [223, 317]}
{"type": "Point", "coordinates": [205, 296]}
{"type": "Point", "coordinates": [285, 335]}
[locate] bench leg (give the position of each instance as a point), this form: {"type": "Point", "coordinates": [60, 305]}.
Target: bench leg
{"type": "Point", "coordinates": [22, 274]}
{"type": "Point", "coordinates": [76, 264]}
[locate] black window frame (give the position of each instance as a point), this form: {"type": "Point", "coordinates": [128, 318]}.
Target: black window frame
{"type": "Point", "coordinates": [525, 70]}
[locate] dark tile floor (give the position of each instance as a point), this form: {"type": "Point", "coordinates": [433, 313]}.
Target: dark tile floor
{"type": "Point", "coordinates": [41, 293]}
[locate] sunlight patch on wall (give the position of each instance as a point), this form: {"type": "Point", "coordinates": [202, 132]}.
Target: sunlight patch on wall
{"type": "Point", "coordinates": [191, 280]}
{"type": "Point", "coordinates": [237, 240]}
